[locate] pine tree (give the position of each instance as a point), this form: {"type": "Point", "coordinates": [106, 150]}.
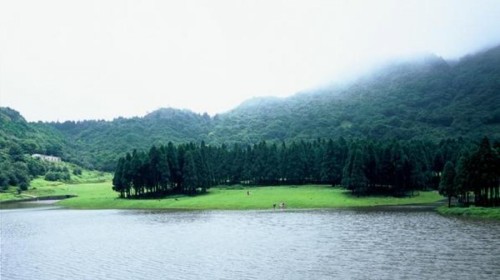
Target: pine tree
{"type": "Point", "coordinates": [189, 174]}
{"type": "Point", "coordinates": [447, 186]}
{"type": "Point", "coordinates": [118, 184]}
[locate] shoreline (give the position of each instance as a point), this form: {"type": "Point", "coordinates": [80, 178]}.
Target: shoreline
{"type": "Point", "coordinates": [390, 207]}
{"type": "Point", "coordinates": [94, 196]}
{"type": "Point", "coordinates": [483, 213]}
{"type": "Point", "coordinates": [438, 207]}
{"type": "Point", "coordinates": [40, 198]}
{"type": "Point", "coordinates": [57, 199]}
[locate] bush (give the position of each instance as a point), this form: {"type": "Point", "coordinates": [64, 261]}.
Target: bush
{"type": "Point", "coordinates": [57, 176]}
{"type": "Point", "coordinates": [23, 186]}
{"type": "Point", "coordinates": [4, 181]}
{"type": "Point", "coordinates": [52, 176]}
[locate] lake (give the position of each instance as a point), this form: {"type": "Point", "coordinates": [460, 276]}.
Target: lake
{"type": "Point", "coordinates": [372, 243]}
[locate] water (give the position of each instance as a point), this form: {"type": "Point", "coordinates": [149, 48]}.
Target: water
{"type": "Point", "coordinates": [383, 243]}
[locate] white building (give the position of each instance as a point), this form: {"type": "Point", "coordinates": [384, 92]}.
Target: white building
{"type": "Point", "coordinates": [46, 158]}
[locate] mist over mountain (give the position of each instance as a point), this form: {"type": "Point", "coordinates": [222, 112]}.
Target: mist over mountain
{"type": "Point", "coordinates": [421, 98]}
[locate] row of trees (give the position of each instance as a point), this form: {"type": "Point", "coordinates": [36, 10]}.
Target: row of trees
{"type": "Point", "coordinates": [476, 173]}
{"type": "Point", "coordinates": [363, 166]}
{"type": "Point", "coordinates": [164, 170]}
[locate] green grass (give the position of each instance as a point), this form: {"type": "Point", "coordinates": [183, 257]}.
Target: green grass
{"type": "Point", "coordinates": [100, 196]}
{"type": "Point", "coordinates": [90, 177]}
{"type": "Point", "coordinates": [41, 188]}
{"type": "Point", "coordinates": [474, 212]}
{"type": "Point", "coordinates": [95, 193]}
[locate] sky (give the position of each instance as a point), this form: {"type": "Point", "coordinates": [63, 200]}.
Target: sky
{"type": "Point", "coordinates": [101, 59]}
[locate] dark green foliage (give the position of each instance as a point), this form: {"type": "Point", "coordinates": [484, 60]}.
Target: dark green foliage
{"type": "Point", "coordinates": [18, 140]}
{"type": "Point", "coordinates": [98, 144]}
{"type": "Point", "coordinates": [421, 99]}
{"type": "Point", "coordinates": [447, 185]}
{"type": "Point", "coordinates": [353, 176]}
{"type": "Point", "coordinates": [36, 166]}
{"type": "Point", "coordinates": [365, 167]}
{"type": "Point", "coordinates": [57, 176]}
{"type": "Point", "coordinates": [165, 170]}
{"type": "Point", "coordinates": [21, 174]}
{"type": "Point", "coordinates": [52, 176]}
{"type": "Point", "coordinates": [479, 173]}
{"type": "Point", "coordinates": [191, 177]}
{"type": "Point", "coordinates": [57, 173]}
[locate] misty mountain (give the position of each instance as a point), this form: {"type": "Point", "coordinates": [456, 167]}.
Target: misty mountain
{"type": "Point", "coordinates": [423, 98]}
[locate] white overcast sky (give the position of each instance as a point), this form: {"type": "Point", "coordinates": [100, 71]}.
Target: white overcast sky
{"type": "Point", "coordinates": [100, 59]}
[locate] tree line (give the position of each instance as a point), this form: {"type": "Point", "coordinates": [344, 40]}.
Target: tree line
{"type": "Point", "coordinates": [477, 174]}
{"type": "Point", "coordinates": [362, 166]}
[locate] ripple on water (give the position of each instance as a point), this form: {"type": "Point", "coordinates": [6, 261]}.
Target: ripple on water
{"type": "Point", "coordinates": [324, 244]}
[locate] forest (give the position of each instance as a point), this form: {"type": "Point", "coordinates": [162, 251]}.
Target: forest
{"type": "Point", "coordinates": [365, 167]}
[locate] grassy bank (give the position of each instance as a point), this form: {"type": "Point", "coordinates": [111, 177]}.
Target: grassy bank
{"type": "Point", "coordinates": [42, 188]}
{"type": "Point", "coordinates": [97, 194]}
{"type": "Point", "coordinates": [475, 212]}
{"type": "Point", "coordinates": [100, 196]}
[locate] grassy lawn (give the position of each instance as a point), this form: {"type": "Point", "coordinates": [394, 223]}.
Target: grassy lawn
{"type": "Point", "coordinates": [40, 188]}
{"type": "Point", "coordinates": [100, 196]}
{"type": "Point", "coordinates": [94, 191]}
{"type": "Point", "coordinates": [475, 212]}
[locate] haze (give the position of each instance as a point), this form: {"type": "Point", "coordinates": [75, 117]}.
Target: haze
{"type": "Point", "coordinates": [74, 60]}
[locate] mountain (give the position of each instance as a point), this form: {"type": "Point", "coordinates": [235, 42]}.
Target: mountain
{"type": "Point", "coordinates": [421, 98]}
{"type": "Point", "coordinates": [97, 144]}
{"type": "Point", "coordinates": [17, 134]}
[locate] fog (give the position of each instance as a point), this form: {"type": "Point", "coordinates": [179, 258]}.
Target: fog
{"type": "Point", "coordinates": [73, 60]}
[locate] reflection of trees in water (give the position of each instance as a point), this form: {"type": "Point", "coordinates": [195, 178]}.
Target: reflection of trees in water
{"type": "Point", "coordinates": [170, 216]}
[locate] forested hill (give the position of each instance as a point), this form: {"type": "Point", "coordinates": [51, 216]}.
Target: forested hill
{"type": "Point", "coordinates": [17, 136]}
{"type": "Point", "coordinates": [424, 98]}
{"type": "Point", "coordinates": [99, 143]}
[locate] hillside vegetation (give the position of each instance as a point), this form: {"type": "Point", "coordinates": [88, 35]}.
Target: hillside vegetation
{"type": "Point", "coordinates": [18, 140]}
{"type": "Point", "coordinates": [426, 98]}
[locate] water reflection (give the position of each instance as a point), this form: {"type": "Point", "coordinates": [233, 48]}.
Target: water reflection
{"type": "Point", "coordinates": [27, 204]}
{"type": "Point", "coordinates": [169, 216]}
